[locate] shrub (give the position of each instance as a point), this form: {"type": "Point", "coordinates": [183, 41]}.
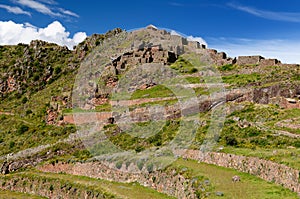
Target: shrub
{"type": "Point", "coordinates": [119, 165]}
{"type": "Point", "coordinates": [226, 67]}
{"type": "Point", "coordinates": [28, 112]}
{"type": "Point", "coordinates": [231, 141]}
{"type": "Point", "coordinates": [57, 70]}
{"type": "Point", "coordinates": [51, 188]}
{"type": "Point", "coordinates": [22, 129]}
{"type": "Point", "coordinates": [11, 144]}
{"type": "Point", "coordinates": [24, 100]}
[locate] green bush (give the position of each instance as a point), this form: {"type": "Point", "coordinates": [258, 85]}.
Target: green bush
{"type": "Point", "coordinates": [227, 67]}
{"type": "Point", "coordinates": [11, 144]}
{"type": "Point", "coordinates": [22, 129]}
{"type": "Point", "coordinates": [24, 100]}
{"type": "Point", "coordinates": [231, 141]}
{"type": "Point", "coordinates": [57, 70]}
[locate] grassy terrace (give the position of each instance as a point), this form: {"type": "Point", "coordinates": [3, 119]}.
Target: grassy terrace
{"type": "Point", "coordinates": [16, 195]}
{"type": "Point", "coordinates": [255, 134]}
{"type": "Point", "coordinates": [248, 187]}
{"type": "Point", "coordinates": [218, 179]}
{"type": "Point", "coordinates": [153, 92]}
{"type": "Point", "coordinates": [110, 189]}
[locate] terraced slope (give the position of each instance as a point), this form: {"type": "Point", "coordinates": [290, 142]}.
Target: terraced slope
{"type": "Point", "coordinates": [49, 102]}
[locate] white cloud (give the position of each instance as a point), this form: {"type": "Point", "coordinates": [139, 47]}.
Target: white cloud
{"type": "Point", "coordinates": [173, 32]}
{"type": "Point", "coordinates": [199, 39]}
{"type": "Point", "coordinates": [176, 4]}
{"type": "Point", "coordinates": [189, 38]}
{"type": "Point", "coordinates": [68, 12]}
{"type": "Point", "coordinates": [285, 50]}
{"type": "Point", "coordinates": [278, 16]}
{"type": "Point", "coordinates": [37, 6]}
{"type": "Point", "coordinates": [51, 2]}
{"type": "Point", "coordinates": [14, 10]}
{"type": "Point", "coordinates": [46, 7]}
{"type": "Point", "coordinates": [12, 33]}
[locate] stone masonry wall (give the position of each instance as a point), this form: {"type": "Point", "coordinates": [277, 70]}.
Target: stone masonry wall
{"type": "Point", "coordinates": [267, 170]}
{"type": "Point", "coordinates": [50, 188]}
{"type": "Point", "coordinates": [171, 183]}
{"type": "Point", "coordinates": [248, 60]}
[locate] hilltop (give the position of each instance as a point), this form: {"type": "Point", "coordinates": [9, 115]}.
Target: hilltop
{"type": "Point", "coordinates": [115, 103]}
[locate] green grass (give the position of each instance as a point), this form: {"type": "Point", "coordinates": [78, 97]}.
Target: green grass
{"type": "Point", "coordinates": [13, 138]}
{"type": "Point", "coordinates": [135, 139]}
{"type": "Point", "coordinates": [227, 67]}
{"type": "Point", "coordinates": [183, 66]}
{"type": "Point", "coordinates": [119, 190]}
{"type": "Point", "coordinates": [153, 92]}
{"type": "Point", "coordinates": [194, 80]}
{"type": "Point", "coordinates": [242, 79]}
{"type": "Point", "coordinates": [260, 139]}
{"type": "Point", "coordinates": [249, 186]}
{"type": "Point", "coordinates": [289, 157]}
{"type": "Point", "coordinates": [16, 195]}
{"type": "Point", "coordinates": [163, 103]}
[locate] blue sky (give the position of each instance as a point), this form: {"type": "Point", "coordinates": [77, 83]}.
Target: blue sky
{"type": "Point", "coordinates": [238, 27]}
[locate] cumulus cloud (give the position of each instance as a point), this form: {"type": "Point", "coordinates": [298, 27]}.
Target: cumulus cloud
{"type": "Point", "coordinates": [190, 38]}
{"type": "Point", "coordinates": [173, 32]}
{"type": "Point", "coordinates": [12, 33]}
{"type": "Point", "coordinates": [285, 50]}
{"type": "Point", "coordinates": [14, 10]}
{"type": "Point", "coordinates": [199, 39]}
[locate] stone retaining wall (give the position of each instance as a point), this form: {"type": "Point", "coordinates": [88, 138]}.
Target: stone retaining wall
{"type": "Point", "coordinates": [171, 182]}
{"type": "Point", "coordinates": [267, 170]}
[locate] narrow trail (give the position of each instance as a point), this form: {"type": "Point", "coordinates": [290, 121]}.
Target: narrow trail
{"type": "Point", "coordinates": [6, 113]}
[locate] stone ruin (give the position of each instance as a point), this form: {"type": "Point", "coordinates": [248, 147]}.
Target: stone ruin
{"type": "Point", "coordinates": [257, 60]}
{"type": "Point", "coordinates": [171, 42]}
{"type": "Point", "coordinates": [220, 58]}
{"type": "Point", "coordinates": [151, 54]}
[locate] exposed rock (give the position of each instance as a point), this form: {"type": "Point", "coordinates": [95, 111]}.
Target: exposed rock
{"type": "Point", "coordinates": [236, 179]}
{"type": "Point", "coordinates": [219, 193]}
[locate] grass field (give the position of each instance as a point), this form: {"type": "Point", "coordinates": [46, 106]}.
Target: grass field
{"type": "Point", "coordinates": [249, 186]}
{"type": "Point", "coordinates": [15, 195]}
{"type": "Point", "coordinates": [119, 190]}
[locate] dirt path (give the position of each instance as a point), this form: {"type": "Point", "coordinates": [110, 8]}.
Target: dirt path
{"type": "Point", "coordinates": [6, 113]}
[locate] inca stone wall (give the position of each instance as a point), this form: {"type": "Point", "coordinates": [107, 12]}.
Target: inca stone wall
{"type": "Point", "coordinates": [171, 183]}
{"type": "Point", "coordinates": [51, 188]}
{"type": "Point", "coordinates": [248, 60]}
{"type": "Point", "coordinates": [267, 170]}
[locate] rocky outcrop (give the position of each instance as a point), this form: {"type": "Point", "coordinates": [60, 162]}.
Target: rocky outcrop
{"type": "Point", "coordinates": [33, 66]}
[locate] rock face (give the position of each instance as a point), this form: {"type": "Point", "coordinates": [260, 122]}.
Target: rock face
{"type": "Point", "coordinates": [32, 65]}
